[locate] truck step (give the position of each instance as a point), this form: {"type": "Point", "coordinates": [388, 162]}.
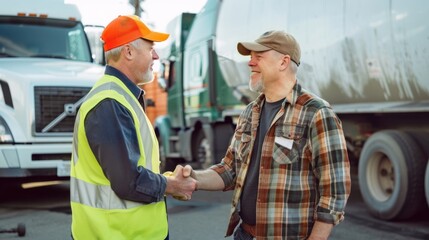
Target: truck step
{"type": "Point", "coordinates": [174, 138]}
{"type": "Point", "coordinates": [173, 155]}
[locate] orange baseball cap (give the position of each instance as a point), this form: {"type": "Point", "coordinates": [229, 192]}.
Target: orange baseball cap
{"type": "Point", "coordinates": [125, 29]}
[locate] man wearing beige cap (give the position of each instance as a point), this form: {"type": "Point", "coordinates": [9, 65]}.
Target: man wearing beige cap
{"type": "Point", "coordinates": [287, 162]}
{"type": "Point", "coordinates": [116, 191]}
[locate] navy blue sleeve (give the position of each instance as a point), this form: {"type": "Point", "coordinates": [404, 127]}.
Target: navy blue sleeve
{"type": "Point", "coordinates": [112, 137]}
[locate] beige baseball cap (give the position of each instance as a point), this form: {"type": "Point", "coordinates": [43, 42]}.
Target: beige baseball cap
{"type": "Point", "coordinates": [279, 41]}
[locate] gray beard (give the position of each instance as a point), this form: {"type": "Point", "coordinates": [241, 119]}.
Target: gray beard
{"type": "Point", "coordinates": [147, 77]}
{"type": "Point", "coordinates": [258, 87]}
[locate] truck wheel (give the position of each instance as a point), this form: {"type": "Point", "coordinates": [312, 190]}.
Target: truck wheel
{"type": "Point", "coordinates": [166, 163]}
{"type": "Point", "coordinates": [427, 183]}
{"type": "Point", "coordinates": [204, 158]}
{"type": "Point", "coordinates": [422, 137]}
{"type": "Point", "coordinates": [223, 133]}
{"type": "Point", "coordinates": [391, 176]}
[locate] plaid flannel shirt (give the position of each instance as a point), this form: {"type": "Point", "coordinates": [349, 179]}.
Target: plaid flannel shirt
{"type": "Point", "coordinates": [306, 181]}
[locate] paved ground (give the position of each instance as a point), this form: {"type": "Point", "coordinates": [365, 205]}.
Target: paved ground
{"type": "Point", "coordinates": [206, 217]}
{"type": "Point", "coordinates": [46, 214]}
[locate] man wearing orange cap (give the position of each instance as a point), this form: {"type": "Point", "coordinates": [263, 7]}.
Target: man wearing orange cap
{"type": "Point", "coordinates": [116, 191]}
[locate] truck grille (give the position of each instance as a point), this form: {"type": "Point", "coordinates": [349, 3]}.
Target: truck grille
{"type": "Point", "coordinates": [56, 108]}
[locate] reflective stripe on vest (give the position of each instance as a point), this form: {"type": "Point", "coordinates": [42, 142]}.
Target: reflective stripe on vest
{"type": "Point", "coordinates": [144, 127]}
{"type": "Point", "coordinates": [98, 196]}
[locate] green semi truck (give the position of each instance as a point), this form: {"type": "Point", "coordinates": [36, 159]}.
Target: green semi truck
{"type": "Point", "coordinates": [369, 59]}
{"type": "Point", "coordinates": [201, 106]}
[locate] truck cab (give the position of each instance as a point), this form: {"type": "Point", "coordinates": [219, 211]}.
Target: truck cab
{"type": "Point", "coordinates": [201, 106]}
{"type": "Point", "coordinates": [46, 69]}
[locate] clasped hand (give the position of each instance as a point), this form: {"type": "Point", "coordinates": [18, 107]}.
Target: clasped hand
{"type": "Point", "coordinates": [180, 184]}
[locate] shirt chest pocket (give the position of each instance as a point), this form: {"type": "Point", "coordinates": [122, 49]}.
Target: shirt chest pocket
{"type": "Point", "coordinates": [243, 138]}
{"type": "Point", "coordinates": [289, 142]}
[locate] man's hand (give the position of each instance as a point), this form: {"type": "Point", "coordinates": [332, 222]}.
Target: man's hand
{"type": "Point", "coordinates": [179, 183]}
{"type": "Point", "coordinates": [188, 172]}
{"type": "Point", "coordinates": [207, 179]}
{"type": "Point", "coordinates": [321, 231]}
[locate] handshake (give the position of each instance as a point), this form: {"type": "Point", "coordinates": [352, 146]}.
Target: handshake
{"type": "Point", "coordinates": [181, 183]}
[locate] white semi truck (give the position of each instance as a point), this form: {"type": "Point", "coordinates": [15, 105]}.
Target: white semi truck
{"type": "Point", "coordinates": [46, 68]}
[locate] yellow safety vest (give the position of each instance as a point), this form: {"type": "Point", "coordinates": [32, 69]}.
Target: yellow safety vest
{"type": "Point", "coordinates": [97, 212]}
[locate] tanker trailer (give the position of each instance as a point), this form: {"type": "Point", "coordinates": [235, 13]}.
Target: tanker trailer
{"type": "Point", "coordinates": [370, 60]}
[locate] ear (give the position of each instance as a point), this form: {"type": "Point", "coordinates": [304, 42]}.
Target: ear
{"type": "Point", "coordinates": [285, 62]}
{"type": "Point", "coordinates": [127, 51]}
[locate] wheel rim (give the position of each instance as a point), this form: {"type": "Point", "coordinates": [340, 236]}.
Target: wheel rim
{"type": "Point", "coordinates": [204, 153]}
{"type": "Point", "coordinates": [381, 176]}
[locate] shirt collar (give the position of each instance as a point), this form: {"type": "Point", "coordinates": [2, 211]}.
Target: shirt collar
{"type": "Point", "coordinates": [137, 92]}
{"type": "Point", "coordinates": [296, 91]}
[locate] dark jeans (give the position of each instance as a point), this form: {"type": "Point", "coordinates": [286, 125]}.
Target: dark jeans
{"type": "Point", "coordinates": [240, 234]}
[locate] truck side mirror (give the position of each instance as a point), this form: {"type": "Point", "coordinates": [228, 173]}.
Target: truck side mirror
{"type": "Point", "coordinates": [166, 76]}
{"type": "Point", "coordinates": [93, 33]}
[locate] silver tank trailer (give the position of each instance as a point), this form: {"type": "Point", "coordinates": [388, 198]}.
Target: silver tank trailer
{"type": "Point", "coordinates": [370, 60]}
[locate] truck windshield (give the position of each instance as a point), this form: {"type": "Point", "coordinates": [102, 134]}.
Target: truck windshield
{"type": "Point", "coordinates": [47, 38]}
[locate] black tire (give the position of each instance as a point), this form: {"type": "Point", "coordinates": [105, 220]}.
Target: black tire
{"type": "Point", "coordinates": [166, 163]}
{"type": "Point", "coordinates": [21, 229]}
{"type": "Point", "coordinates": [223, 133]}
{"type": "Point", "coordinates": [391, 175]}
{"type": "Point", "coordinates": [427, 183]}
{"type": "Point", "coordinates": [169, 164]}
{"type": "Point", "coordinates": [203, 152]}
{"type": "Point", "coordinates": [206, 154]}
{"type": "Point", "coordinates": [422, 138]}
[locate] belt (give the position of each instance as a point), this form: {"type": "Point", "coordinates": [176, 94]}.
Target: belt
{"type": "Point", "coordinates": [250, 229]}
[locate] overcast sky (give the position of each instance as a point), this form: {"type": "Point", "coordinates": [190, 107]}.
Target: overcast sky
{"type": "Point", "coordinates": [158, 12]}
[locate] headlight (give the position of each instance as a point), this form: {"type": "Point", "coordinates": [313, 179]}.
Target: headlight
{"type": "Point", "coordinates": [5, 134]}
